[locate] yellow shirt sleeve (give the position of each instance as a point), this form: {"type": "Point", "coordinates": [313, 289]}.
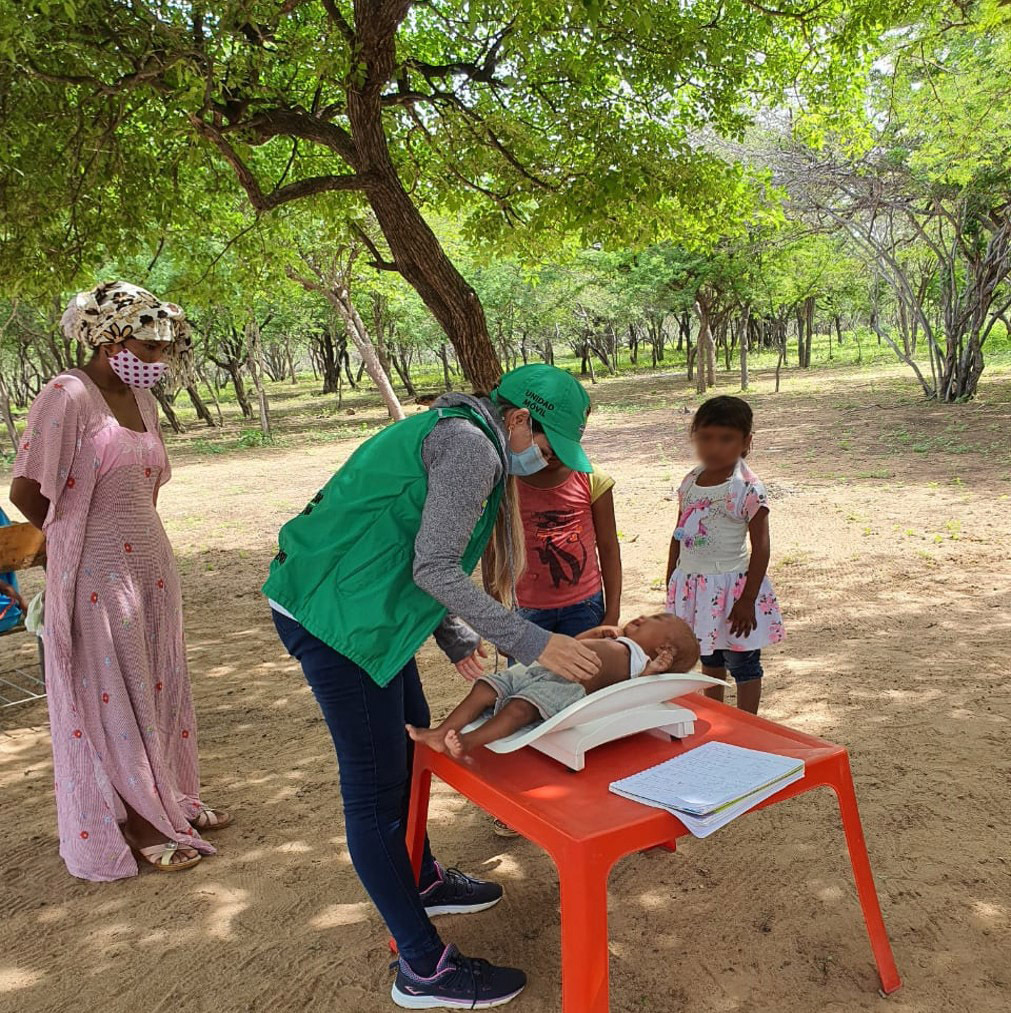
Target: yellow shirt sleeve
{"type": "Point", "coordinates": [599, 484]}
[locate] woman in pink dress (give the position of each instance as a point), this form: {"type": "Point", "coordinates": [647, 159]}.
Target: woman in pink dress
{"type": "Point", "coordinates": [88, 472]}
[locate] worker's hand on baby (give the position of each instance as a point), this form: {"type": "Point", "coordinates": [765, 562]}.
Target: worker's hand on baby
{"type": "Point", "coordinates": [567, 657]}
{"type": "Point", "coordinates": [471, 668]}
{"type": "Point", "coordinates": [601, 633]}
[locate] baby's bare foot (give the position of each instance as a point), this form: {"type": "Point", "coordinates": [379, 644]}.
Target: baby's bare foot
{"type": "Point", "coordinates": [430, 737]}
{"type": "Point", "coordinates": [454, 745]}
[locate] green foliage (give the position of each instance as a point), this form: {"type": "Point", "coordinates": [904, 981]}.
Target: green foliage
{"type": "Point", "coordinates": [586, 166]}
{"type": "Point", "coordinates": [565, 119]}
{"type": "Point", "coordinates": [250, 439]}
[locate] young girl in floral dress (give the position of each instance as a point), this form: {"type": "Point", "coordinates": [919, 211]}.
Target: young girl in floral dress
{"type": "Point", "coordinates": [88, 472]}
{"type": "Point", "coordinates": [713, 583]}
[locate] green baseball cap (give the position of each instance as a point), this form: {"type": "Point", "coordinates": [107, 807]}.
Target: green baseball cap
{"type": "Point", "coordinates": [557, 401]}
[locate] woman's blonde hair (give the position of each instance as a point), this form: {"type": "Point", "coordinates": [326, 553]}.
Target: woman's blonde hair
{"type": "Point", "coordinates": [506, 556]}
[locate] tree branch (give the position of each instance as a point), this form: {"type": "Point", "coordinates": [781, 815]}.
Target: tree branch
{"type": "Point", "coordinates": [774, 12]}
{"type": "Point", "coordinates": [473, 71]}
{"type": "Point", "coordinates": [157, 254]}
{"type": "Point", "coordinates": [292, 191]}
{"type": "Point", "coordinates": [234, 239]}
{"type": "Point", "coordinates": [292, 123]}
{"type": "Point", "coordinates": [152, 69]}
{"type": "Point", "coordinates": [379, 262]}
{"type": "Point", "coordinates": [340, 22]}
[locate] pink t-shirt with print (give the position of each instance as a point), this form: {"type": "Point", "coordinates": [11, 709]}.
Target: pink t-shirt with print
{"type": "Point", "coordinates": [562, 566]}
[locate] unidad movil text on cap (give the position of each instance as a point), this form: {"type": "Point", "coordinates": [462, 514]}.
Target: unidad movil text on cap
{"type": "Point", "coordinates": [532, 395]}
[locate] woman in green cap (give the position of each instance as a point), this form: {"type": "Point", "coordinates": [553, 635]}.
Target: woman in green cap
{"type": "Point", "coordinates": [379, 561]}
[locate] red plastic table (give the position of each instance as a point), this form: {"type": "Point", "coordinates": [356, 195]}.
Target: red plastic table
{"type": "Point", "coordinates": [586, 828]}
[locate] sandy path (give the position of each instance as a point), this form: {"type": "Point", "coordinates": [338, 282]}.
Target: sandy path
{"type": "Point", "coordinates": [895, 592]}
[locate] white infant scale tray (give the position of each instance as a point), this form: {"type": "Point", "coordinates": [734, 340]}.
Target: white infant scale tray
{"type": "Point", "coordinates": [624, 709]}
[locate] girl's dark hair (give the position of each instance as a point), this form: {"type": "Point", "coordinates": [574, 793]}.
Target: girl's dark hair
{"type": "Point", "coordinates": [732, 412]}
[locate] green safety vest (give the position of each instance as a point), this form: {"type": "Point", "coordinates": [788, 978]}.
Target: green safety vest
{"type": "Point", "coordinates": [345, 569]}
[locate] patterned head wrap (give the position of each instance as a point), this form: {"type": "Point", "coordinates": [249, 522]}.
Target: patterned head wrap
{"type": "Point", "coordinates": [117, 310]}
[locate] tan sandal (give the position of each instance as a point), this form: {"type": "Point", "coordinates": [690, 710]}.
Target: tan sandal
{"type": "Point", "coordinates": [160, 857]}
{"type": "Point", "coordinates": [211, 819]}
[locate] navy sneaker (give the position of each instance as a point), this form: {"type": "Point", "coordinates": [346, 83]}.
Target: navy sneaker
{"type": "Point", "coordinates": [458, 983]}
{"type": "Point", "coordinates": [453, 893]}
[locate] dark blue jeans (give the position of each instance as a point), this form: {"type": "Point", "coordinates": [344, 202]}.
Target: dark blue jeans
{"type": "Point", "coordinates": [744, 666]}
{"type": "Point", "coordinates": [569, 620]}
{"type": "Point", "coordinates": [374, 755]}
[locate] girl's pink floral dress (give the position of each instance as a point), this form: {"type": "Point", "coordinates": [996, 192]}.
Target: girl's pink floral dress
{"type": "Point", "coordinates": [117, 682]}
{"type": "Point", "coordinates": [713, 564]}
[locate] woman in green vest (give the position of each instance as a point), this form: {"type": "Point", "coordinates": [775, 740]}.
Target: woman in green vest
{"type": "Point", "coordinates": [379, 561]}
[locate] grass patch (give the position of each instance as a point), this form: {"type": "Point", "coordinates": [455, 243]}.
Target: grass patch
{"type": "Point", "coordinates": [208, 447]}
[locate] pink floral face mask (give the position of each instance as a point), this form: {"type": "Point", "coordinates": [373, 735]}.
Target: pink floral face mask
{"type": "Point", "coordinates": [136, 372]}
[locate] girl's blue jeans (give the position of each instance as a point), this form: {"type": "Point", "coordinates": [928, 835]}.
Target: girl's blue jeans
{"type": "Point", "coordinates": [569, 620]}
{"type": "Point", "coordinates": [374, 755]}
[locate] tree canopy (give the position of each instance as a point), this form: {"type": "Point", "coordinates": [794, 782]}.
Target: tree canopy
{"type": "Point", "coordinates": [520, 117]}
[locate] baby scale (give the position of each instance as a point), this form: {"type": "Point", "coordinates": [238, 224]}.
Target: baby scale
{"type": "Point", "coordinates": [626, 708]}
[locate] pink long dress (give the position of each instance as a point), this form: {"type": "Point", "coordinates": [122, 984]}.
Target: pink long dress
{"type": "Point", "coordinates": [118, 686]}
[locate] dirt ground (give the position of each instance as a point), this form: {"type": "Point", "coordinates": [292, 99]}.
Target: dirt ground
{"type": "Point", "coordinates": [890, 525]}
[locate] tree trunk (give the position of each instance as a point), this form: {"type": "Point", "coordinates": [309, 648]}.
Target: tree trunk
{"type": "Point", "coordinates": [234, 370]}
{"type": "Point", "coordinates": [328, 355]}
{"type": "Point", "coordinates": [214, 395]}
{"type": "Point", "coordinates": [704, 345]}
{"type": "Point", "coordinates": [416, 251]}
{"type": "Point", "coordinates": [166, 406]}
{"type": "Point", "coordinates": [745, 327]}
{"type": "Point", "coordinates": [5, 410]}
{"type": "Point", "coordinates": [403, 368]}
{"type": "Point", "coordinates": [336, 290]}
{"type": "Point", "coordinates": [809, 311]}
{"type": "Point", "coordinates": [448, 384]}
{"type": "Point", "coordinates": [340, 298]}
{"type": "Point", "coordinates": [705, 362]}
{"type": "Point", "coordinates": [255, 361]}
{"type": "Point", "coordinates": [588, 360]}
{"type": "Point", "coordinates": [379, 332]}
{"type": "Point", "coordinates": [291, 360]}
{"type": "Point", "coordinates": [199, 405]}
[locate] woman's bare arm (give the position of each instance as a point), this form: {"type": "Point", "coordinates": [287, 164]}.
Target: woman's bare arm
{"type": "Point", "coordinates": [26, 495]}
{"type": "Point", "coordinates": [609, 553]}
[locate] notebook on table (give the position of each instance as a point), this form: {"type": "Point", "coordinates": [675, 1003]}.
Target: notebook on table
{"type": "Point", "coordinates": [711, 785]}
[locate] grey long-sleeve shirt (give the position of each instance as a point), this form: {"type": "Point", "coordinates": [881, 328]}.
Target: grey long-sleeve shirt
{"type": "Point", "coordinates": [463, 468]}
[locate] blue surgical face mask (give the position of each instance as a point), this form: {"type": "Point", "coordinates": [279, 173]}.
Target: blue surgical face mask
{"type": "Point", "coordinates": [529, 461]}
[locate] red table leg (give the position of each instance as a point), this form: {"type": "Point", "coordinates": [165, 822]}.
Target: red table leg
{"type": "Point", "coordinates": [842, 783]}
{"type": "Point", "coordinates": [417, 817]}
{"type": "Point", "coordinates": [585, 955]}
{"type": "Point", "coordinates": [417, 821]}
